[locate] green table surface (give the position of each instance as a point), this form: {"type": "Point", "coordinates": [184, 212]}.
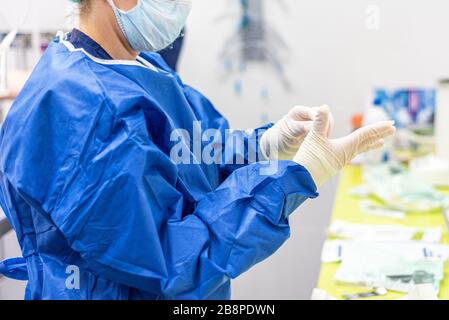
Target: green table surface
{"type": "Point", "coordinates": [347, 208]}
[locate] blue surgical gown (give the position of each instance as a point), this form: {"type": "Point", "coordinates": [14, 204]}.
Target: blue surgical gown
{"type": "Point", "coordinates": [101, 210]}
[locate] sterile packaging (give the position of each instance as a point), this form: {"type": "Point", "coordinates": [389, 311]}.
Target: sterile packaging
{"type": "Point", "coordinates": [354, 231]}
{"type": "Point", "coordinates": [337, 250]}
{"type": "Point", "coordinates": [399, 189]}
{"type": "Point", "coordinates": [441, 121]}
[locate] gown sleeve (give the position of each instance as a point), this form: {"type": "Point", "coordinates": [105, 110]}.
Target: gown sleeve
{"type": "Point", "coordinates": [121, 211]}
{"type": "Point", "coordinates": [114, 196]}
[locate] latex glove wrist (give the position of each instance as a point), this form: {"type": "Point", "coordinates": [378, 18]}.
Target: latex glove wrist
{"type": "Point", "coordinates": [282, 141]}
{"type": "Point", "coordinates": [324, 157]}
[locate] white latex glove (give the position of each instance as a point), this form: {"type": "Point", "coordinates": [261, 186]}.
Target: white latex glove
{"type": "Point", "coordinates": [8, 96]}
{"type": "Point", "coordinates": [282, 141]}
{"type": "Point", "coordinates": [324, 157]}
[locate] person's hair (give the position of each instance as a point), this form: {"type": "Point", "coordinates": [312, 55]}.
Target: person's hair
{"type": "Point", "coordinates": [84, 6]}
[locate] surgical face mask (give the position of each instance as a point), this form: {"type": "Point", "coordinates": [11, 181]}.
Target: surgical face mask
{"type": "Point", "coordinates": [153, 25]}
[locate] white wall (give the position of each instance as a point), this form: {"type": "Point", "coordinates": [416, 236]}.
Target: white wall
{"type": "Point", "coordinates": [10, 289]}
{"type": "Point", "coordinates": [43, 14]}
{"type": "Point", "coordinates": [334, 58]}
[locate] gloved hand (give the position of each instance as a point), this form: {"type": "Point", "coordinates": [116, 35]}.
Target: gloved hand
{"type": "Point", "coordinates": [324, 157]}
{"type": "Point", "coordinates": [11, 95]}
{"type": "Point", "coordinates": [282, 141]}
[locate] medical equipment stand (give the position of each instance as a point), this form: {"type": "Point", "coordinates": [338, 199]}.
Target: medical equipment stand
{"type": "Point", "coordinates": [5, 227]}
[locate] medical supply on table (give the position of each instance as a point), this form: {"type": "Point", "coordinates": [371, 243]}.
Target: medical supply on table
{"type": "Point", "coordinates": [255, 42]}
{"type": "Point", "coordinates": [417, 277]}
{"type": "Point", "coordinates": [377, 292]}
{"type": "Point", "coordinates": [360, 191]}
{"type": "Point", "coordinates": [282, 141]}
{"type": "Point", "coordinates": [337, 250]}
{"type": "Point", "coordinates": [368, 264]}
{"type": "Point", "coordinates": [5, 46]}
{"type": "Point", "coordinates": [378, 156]}
{"type": "Point", "coordinates": [413, 143]}
{"type": "Point", "coordinates": [399, 189]}
{"type": "Point", "coordinates": [153, 25]}
{"type": "Point", "coordinates": [418, 292]}
{"type": "Point", "coordinates": [324, 157]}
{"type": "Point", "coordinates": [441, 121]}
{"type": "Point", "coordinates": [356, 121]}
{"type": "Point", "coordinates": [423, 291]}
{"type": "Point", "coordinates": [370, 208]}
{"type": "Point", "coordinates": [432, 169]}
{"type": "Point", "coordinates": [4, 84]}
{"type": "Point", "coordinates": [5, 227]}
{"type": "Point", "coordinates": [354, 231]}
{"type": "Point", "coordinates": [201, 224]}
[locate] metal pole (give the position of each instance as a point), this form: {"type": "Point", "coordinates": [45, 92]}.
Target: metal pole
{"type": "Point", "coordinates": [5, 227]}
